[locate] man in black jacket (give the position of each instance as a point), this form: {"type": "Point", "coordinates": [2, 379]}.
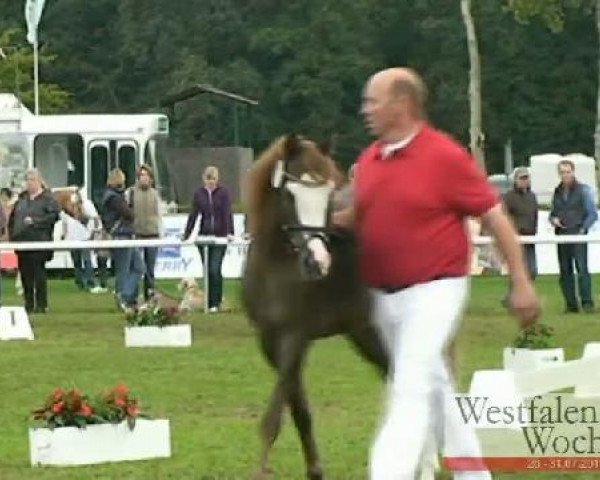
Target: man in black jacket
{"type": "Point", "coordinates": [522, 207]}
{"type": "Point", "coordinates": [573, 213]}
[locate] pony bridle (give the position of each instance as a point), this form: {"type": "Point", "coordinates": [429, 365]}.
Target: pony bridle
{"type": "Point", "coordinates": [311, 200]}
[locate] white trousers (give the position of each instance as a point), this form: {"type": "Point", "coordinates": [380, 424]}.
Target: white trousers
{"type": "Point", "coordinates": [416, 325]}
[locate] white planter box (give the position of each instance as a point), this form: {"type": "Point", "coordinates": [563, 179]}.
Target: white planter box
{"type": "Point", "coordinates": [169, 336]}
{"type": "Point", "coordinates": [100, 443]}
{"type": "Point", "coordinates": [521, 359]}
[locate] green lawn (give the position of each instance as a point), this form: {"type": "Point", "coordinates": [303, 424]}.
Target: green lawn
{"type": "Point", "coordinates": [214, 392]}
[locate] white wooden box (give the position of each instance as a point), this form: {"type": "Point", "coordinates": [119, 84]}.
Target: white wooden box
{"type": "Point", "coordinates": [169, 336]}
{"type": "Point", "coordinates": [100, 443]}
{"type": "Point", "coordinates": [521, 359]}
{"type": "Point", "coordinates": [14, 324]}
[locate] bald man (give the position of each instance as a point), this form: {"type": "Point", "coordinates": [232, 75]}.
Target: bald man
{"type": "Point", "coordinates": [415, 187]}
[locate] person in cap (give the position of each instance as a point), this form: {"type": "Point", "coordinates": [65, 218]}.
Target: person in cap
{"type": "Point", "coordinates": [521, 205]}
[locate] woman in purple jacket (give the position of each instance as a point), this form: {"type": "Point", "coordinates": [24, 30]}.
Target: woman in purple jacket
{"type": "Point", "coordinates": [213, 204]}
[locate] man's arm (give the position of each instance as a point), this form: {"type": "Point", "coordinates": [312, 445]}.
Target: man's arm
{"type": "Point", "coordinates": [524, 301]}
{"type": "Point", "coordinates": [591, 215]}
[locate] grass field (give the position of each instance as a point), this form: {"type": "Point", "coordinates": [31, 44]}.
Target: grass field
{"type": "Point", "coordinates": [214, 393]}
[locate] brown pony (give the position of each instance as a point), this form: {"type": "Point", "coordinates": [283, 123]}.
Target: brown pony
{"type": "Point", "coordinates": [293, 291]}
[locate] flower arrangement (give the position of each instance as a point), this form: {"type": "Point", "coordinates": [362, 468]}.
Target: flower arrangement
{"type": "Point", "coordinates": [71, 408]}
{"type": "Point", "coordinates": [536, 337]}
{"type": "Point", "coordinates": [154, 315]}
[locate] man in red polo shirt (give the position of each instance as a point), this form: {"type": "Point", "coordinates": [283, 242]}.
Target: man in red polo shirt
{"type": "Point", "coordinates": [415, 187]}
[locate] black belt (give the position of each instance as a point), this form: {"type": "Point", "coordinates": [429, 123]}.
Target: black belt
{"type": "Point", "coordinates": [398, 288]}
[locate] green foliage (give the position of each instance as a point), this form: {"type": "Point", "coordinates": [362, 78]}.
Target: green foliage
{"type": "Point", "coordinates": [551, 12]}
{"type": "Point", "coordinates": [306, 62]}
{"type": "Point", "coordinates": [16, 74]}
{"type": "Point", "coordinates": [535, 337]}
{"type": "Point", "coordinates": [153, 315]}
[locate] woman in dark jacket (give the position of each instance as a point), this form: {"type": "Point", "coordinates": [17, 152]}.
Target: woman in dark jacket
{"type": "Point", "coordinates": [117, 219]}
{"type": "Point", "coordinates": [213, 204]}
{"type": "Point", "coordinates": [32, 220]}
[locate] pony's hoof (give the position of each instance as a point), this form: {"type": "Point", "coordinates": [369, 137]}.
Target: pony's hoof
{"type": "Point", "coordinates": [263, 474]}
{"type": "Point", "coordinates": [315, 474]}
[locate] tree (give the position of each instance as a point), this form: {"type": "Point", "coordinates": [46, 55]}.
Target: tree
{"type": "Point", "coordinates": [475, 131]}
{"type": "Point", "coordinates": [16, 74]}
{"type": "Point", "coordinates": [552, 12]}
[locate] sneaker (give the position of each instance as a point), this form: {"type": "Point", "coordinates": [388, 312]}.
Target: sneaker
{"type": "Point", "coordinates": [213, 310]}
{"type": "Point", "coordinates": [571, 310]}
{"type": "Point", "coordinates": [98, 289]}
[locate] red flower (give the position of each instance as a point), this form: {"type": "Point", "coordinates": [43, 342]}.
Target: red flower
{"type": "Point", "coordinates": [132, 410]}
{"type": "Point", "coordinates": [121, 389]}
{"type": "Point", "coordinates": [58, 407]}
{"type": "Point", "coordinates": [120, 402]}
{"type": "Point", "coordinates": [85, 410]}
{"type": "Point", "coordinates": [57, 393]}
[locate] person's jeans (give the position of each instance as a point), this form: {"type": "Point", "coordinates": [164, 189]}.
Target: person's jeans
{"type": "Point", "coordinates": [129, 269]}
{"type": "Point", "coordinates": [215, 277]}
{"type": "Point", "coordinates": [84, 271]}
{"type": "Point", "coordinates": [149, 254]}
{"type": "Point", "coordinates": [102, 262]}
{"type": "Point", "coordinates": [32, 266]}
{"type": "Point", "coordinates": [574, 256]}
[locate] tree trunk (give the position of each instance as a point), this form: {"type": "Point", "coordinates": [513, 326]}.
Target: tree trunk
{"type": "Point", "coordinates": [597, 133]}
{"type": "Point", "coordinates": [477, 138]}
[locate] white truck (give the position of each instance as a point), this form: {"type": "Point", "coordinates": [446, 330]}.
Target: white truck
{"type": "Point", "coordinates": [81, 149]}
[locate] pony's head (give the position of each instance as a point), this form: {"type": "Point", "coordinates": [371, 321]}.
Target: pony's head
{"type": "Point", "coordinates": [289, 191]}
{"type": "Point", "coordinates": [70, 201]}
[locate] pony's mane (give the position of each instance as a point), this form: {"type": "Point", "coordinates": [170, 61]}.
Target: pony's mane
{"type": "Point", "coordinates": [258, 180]}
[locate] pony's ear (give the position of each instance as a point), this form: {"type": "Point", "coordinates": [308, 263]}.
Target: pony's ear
{"type": "Point", "coordinates": [291, 145]}
{"type": "Point", "coordinates": [327, 147]}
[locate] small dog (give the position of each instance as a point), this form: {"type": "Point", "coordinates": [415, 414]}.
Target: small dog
{"type": "Point", "coordinates": [193, 296]}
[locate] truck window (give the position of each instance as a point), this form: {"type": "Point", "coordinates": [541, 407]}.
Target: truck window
{"type": "Point", "coordinates": [59, 158]}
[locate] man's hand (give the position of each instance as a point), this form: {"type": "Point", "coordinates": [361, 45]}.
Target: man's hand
{"type": "Point", "coordinates": [28, 221]}
{"type": "Point", "coordinates": [524, 303]}
{"type": "Point", "coordinates": [343, 218]}
{"type": "Point", "coordinates": [557, 223]}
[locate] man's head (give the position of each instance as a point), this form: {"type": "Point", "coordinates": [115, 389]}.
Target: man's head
{"type": "Point", "coordinates": [522, 180]}
{"type": "Point", "coordinates": [566, 171]}
{"type": "Point", "coordinates": [116, 178]}
{"type": "Point", "coordinates": [393, 103]}
{"type": "Point", "coordinates": [145, 176]}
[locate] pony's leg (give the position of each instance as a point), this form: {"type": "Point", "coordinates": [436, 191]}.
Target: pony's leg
{"type": "Point", "coordinates": [368, 343]}
{"type": "Point", "coordinates": [270, 427]}
{"type": "Point", "coordinates": [302, 419]}
{"type": "Point", "coordinates": [271, 421]}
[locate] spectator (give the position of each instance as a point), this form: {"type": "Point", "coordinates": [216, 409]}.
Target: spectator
{"type": "Point", "coordinates": [78, 229]}
{"type": "Point", "coordinates": [7, 201]}
{"type": "Point", "coordinates": [144, 200]}
{"type": "Point", "coordinates": [573, 213]}
{"type": "Point", "coordinates": [32, 220]}
{"type": "Point", "coordinates": [212, 203]}
{"type": "Point", "coordinates": [117, 219]}
{"type": "Point", "coordinates": [521, 206]}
